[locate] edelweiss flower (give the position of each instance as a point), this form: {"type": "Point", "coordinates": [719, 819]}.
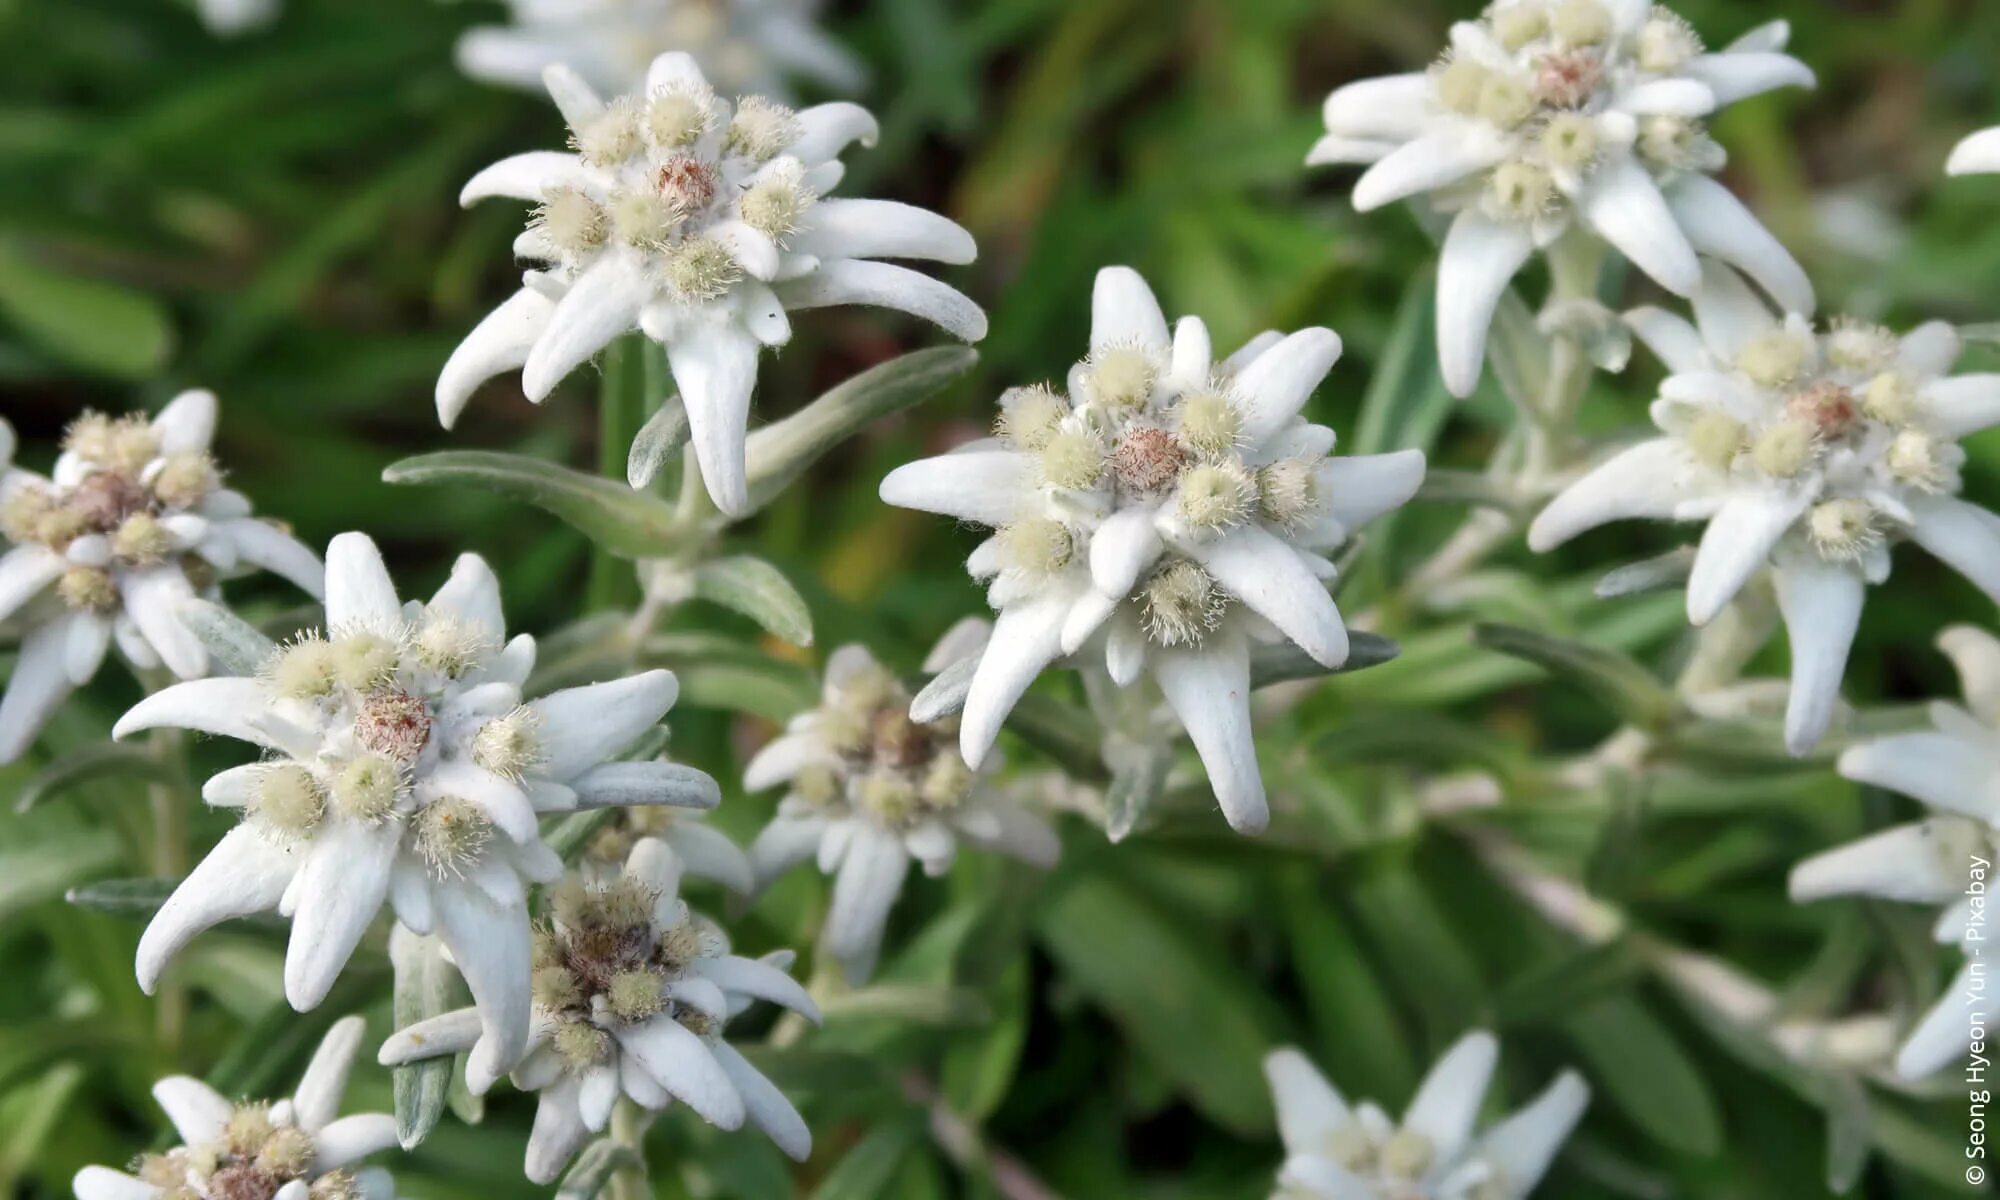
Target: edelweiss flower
{"type": "Point", "coordinates": [403, 767]}
{"type": "Point", "coordinates": [631, 995]}
{"type": "Point", "coordinates": [134, 522]}
{"type": "Point", "coordinates": [1811, 452]}
{"type": "Point", "coordinates": [1951, 768]}
{"type": "Point", "coordinates": [296, 1149]}
{"type": "Point", "coordinates": [1551, 114]}
{"type": "Point", "coordinates": [699, 849]}
{"type": "Point", "coordinates": [1978, 154]}
{"type": "Point", "coordinates": [700, 225]}
{"type": "Point", "coordinates": [1166, 512]}
{"type": "Point", "coordinates": [1335, 1151]}
{"type": "Point", "coordinates": [868, 790]}
{"type": "Point", "coordinates": [744, 45]}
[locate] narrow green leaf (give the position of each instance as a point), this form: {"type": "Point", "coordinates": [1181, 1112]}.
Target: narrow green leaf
{"type": "Point", "coordinates": [945, 694]}
{"type": "Point", "coordinates": [759, 591]}
{"type": "Point", "coordinates": [1646, 1075]}
{"type": "Point", "coordinates": [912, 1003]}
{"type": "Point", "coordinates": [1669, 570]}
{"type": "Point", "coordinates": [89, 323]}
{"type": "Point", "coordinates": [237, 646]}
{"type": "Point", "coordinates": [979, 1068]}
{"type": "Point", "coordinates": [659, 439]}
{"type": "Point", "coordinates": [422, 991]}
{"type": "Point", "coordinates": [1284, 661]}
{"type": "Point", "coordinates": [568, 834]}
{"type": "Point", "coordinates": [124, 897]}
{"type": "Point", "coordinates": [776, 454]}
{"type": "Point", "coordinates": [1405, 402]}
{"type": "Point", "coordinates": [867, 1170]}
{"type": "Point", "coordinates": [1849, 1132]}
{"type": "Point", "coordinates": [90, 764]}
{"type": "Point", "coordinates": [1135, 787]}
{"type": "Point", "coordinates": [593, 1169]}
{"type": "Point", "coordinates": [627, 523]}
{"type": "Point", "coordinates": [1628, 688]}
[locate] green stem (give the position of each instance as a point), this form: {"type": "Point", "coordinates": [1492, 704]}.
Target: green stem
{"type": "Point", "coordinates": [624, 401]}
{"type": "Point", "coordinates": [628, 1129]}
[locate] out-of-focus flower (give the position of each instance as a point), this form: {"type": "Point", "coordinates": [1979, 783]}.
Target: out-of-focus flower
{"type": "Point", "coordinates": [296, 1149]}
{"type": "Point", "coordinates": [1978, 154]}
{"type": "Point", "coordinates": [133, 522]}
{"type": "Point", "coordinates": [403, 768]}
{"type": "Point", "coordinates": [743, 45]}
{"type": "Point", "coordinates": [702, 225]}
{"type": "Point", "coordinates": [1338, 1151]}
{"type": "Point", "coordinates": [867, 791]}
{"type": "Point", "coordinates": [1951, 768]}
{"type": "Point", "coordinates": [632, 994]}
{"type": "Point", "coordinates": [1158, 518]}
{"type": "Point", "coordinates": [1808, 451]}
{"type": "Point", "coordinates": [1548, 115]}
{"type": "Point", "coordinates": [227, 18]}
{"type": "Point", "coordinates": [699, 849]}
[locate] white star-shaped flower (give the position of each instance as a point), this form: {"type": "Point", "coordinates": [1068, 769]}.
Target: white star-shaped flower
{"type": "Point", "coordinates": [1951, 768]}
{"type": "Point", "coordinates": [632, 993]}
{"type": "Point", "coordinates": [1338, 1151]}
{"type": "Point", "coordinates": [1548, 115]}
{"type": "Point", "coordinates": [1161, 516]}
{"type": "Point", "coordinates": [700, 224]}
{"type": "Point", "coordinates": [744, 45]}
{"type": "Point", "coordinates": [295, 1149]}
{"type": "Point", "coordinates": [133, 522]}
{"type": "Point", "coordinates": [868, 790]}
{"type": "Point", "coordinates": [1978, 154]}
{"type": "Point", "coordinates": [402, 767]}
{"type": "Point", "coordinates": [1810, 452]}
{"type": "Point", "coordinates": [699, 849]}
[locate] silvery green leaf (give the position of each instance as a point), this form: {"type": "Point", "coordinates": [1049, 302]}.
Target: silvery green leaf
{"type": "Point", "coordinates": [90, 764]}
{"type": "Point", "coordinates": [919, 1004]}
{"type": "Point", "coordinates": [594, 1168]}
{"type": "Point", "coordinates": [237, 646]}
{"type": "Point", "coordinates": [1669, 570]}
{"type": "Point", "coordinates": [1136, 783]}
{"type": "Point", "coordinates": [1467, 487]}
{"type": "Point", "coordinates": [422, 991]}
{"type": "Point", "coordinates": [945, 694]}
{"type": "Point", "coordinates": [777, 453]}
{"type": "Point", "coordinates": [1986, 333]}
{"type": "Point", "coordinates": [759, 591]}
{"type": "Point", "coordinates": [1284, 661]}
{"type": "Point", "coordinates": [659, 439]}
{"type": "Point", "coordinates": [624, 522]}
{"type": "Point", "coordinates": [1849, 1132]}
{"type": "Point", "coordinates": [139, 897]}
{"type": "Point", "coordinates": [1618, 680]}
{"type": "Point", "coordinates": [568, 834]}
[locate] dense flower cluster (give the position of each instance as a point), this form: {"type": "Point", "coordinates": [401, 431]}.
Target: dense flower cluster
{"type": "Point", "coordinates": [1157, 517]}
{"type": "Point", "coordinates": [1551, 115]}
{"type": "Point", "coordinates": [133, 521]}
{"type": "Point", "coordinates": [701, 223]}
{"type": "Point", "coordinates": [867, 790]}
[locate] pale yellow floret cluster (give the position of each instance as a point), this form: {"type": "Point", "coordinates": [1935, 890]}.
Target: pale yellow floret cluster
{"type": "Point", "coordinates": [602, 959]}
{"type": "Point", "coordinates": [898, 771]}
{"type": "Point", "coordinates": [251, 1159]}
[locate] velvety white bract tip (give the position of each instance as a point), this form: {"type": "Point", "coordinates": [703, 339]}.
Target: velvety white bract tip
{"type": "Point", "coordinates": [1978, 154]}
{"type": "Point", "coordinates": [132, 522]}
{"type": "Point", "coordinates": [702, 222]}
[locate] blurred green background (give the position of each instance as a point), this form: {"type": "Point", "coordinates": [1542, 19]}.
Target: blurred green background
{"type": "Point", "coordinates": [274, 217]}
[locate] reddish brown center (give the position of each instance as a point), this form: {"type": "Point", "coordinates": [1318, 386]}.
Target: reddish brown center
{"type": "Point", "coordinates": [106, 498]}
{"type": "Point", "coordinates": [688, 182]}
{"type": "Point", "coordinates": [1828, 407]}
{"type": "Point", "coordinates": [1567, 78]}
{"type": "Point", "coordinates": [1147, 460]}
{"type": "Point", "coordinates": [898, 742]}
{"type": "Point", "coordinates": [242, 1181]}
{"type": "Point", "coordinates": [393, 724]}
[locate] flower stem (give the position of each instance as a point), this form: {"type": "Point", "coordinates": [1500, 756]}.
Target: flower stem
{"type": "Point", "coordinates": [167, 801]}
{"type": "Point", "coordinates": [623, 403]}
{"type": "Point", "coordinates": [628, 1129]}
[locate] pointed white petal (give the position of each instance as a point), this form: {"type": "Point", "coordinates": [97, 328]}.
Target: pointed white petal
{"type": "Point", "coordinates": [352, 1138]}
{"type": "Point", "coordinates": [1026, 638]}
{"type": "Point", "coordinates": [827, 129]}
{"type": "Point", "coordinates": [1264, 573]}
{"type": "Point", "coordinates": [1639, 481]}
{"type": "Point", "coordinates": [1521, 1147]}
{"type": "Point", "coordinates": [1390, 107]}
{"type": "Point", "coordinates": [1931, 348]}
{"type": "Point", "coordinates": [243, 874]}
{"type": "Point", "coordinates": [765, 1105]}
{"type": "Point", "coordinates": [359, 592]}
{"type": "Point", "coordinates": [447, 1033]}
{"type": "Point", "coordinates": [1085, 617]}
{"type": "Point", "coordinates": [103, 1183]}
{"type": "Point", "coordinates": [500, 342]}
{"type": "Point", "coordinates": [187, 424]}
{"type": "Point", "coordinates": [1944, 1033]}
{"type": "Point", "coordinates": [317, 1098]}
{"type": "Point", "coordinates": [153, 600]}
{"type": "Point", "coordinates": [1626, 208]}
{"type": "Point", "coordinates": [1310, 1108]}
{"type": "Point", "coordinates": [1479, 258]}
{"type": "Point", "coordinates": [263, 544]}
{"type": "Point", "coordinates": [1741, 74]}
{"type": "Point", "coordinates": [1729, 313]}
{"type": "Point", "coordinates": [1963, 536]}
{"type": "Point", "coordinates": [603, 303]}
{"type": "Point", "coordinates": [1447, 1103]}
{"type": "Point", "coordinates": [557, 1134]}
{"type": "Point", "coordinates": [342, 886]}
{"type": "Point", "coordinates": [716, 370]}
{"type": "Point", "coordinates": [707, 852]}
{"type": "Point", "coordinates": [529, 176]}
{"type": "Point", "coordinates": [783, 844]}
{"type": "Point", "coordinates": [574, 98]}
{"type": "Point", "coordinates": [1718, 224]}
{"type": "Point", "coordinates": [1124, 312]}
{"type": "Point", "coordinates": [684, 1066]}
{"type": "Point", "coordinates": [1671, 338]}
{"type": "Point", "coordinates": [871, 876]}
{"type": "Point", "coordinates": [1209, 690]}
{"type": "Point", "coordinates": [885, 285]}
{"type": "Point", "coordinates": [1738, 540]}
{"type": "Point", "coordinates": [1430, 161]}
{"type": "Point", "coordinates": [581, 727]}
{"type": "Point", "coordinates": [1359, 489]}
{"type": "Point", "coordinates": [988, 487]}
{"type": "Point", "coordinates": [1122, 548]}
{"type": "Point", "coordinates": [1904, 862]}
{"type": "Point", "coordinates": [1275, 387]}
{"type": "Point", "coordinates": [198, 1111]}
{"type": "Point", "coordinates": [840, 228]}
{"type": "Point", "coordinates": [490, 944]}
{"type": "Point", "coordinates": [1942, 770]}
{"type": "Point", "coordinates": [751, 977]}
{"type": "Point", "coordinates": [1668, 97]}
{"type": "Point", "coordinates": [1975, 655]}
{"type": "Point", "coordinates": [1963, 404]}
{"type": "Point", "coordinates": [1976, 155]}
{"type": "Point", "coordinates": [24, 572]}
{"type": "Point", "coordinates": [1821, 603]}
{"type": "Point", "coordinates": [39, 684]}
{"type": "Point", "coordinates": [227, 707]}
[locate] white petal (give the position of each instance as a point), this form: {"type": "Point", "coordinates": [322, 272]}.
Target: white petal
{"type": "Point", "coordinates": [529, 176]}
{"type": "Point", "coordinates": [1026, 638]}
{"type": "Point", "coordinates": [1728, 312]}
{"type": "Point", "coordinates": [153, 600]}
{"type": "Point", "coordinates": [84, 647]}
{"type": "Point", "coordinates": [198, 1111]}
{"type": "Point", "coordinates": [1521, 1147]}
{"type": "Point", "coordinates": [1975, 655]}
{"type": "Point", "coordinates": [351, 1138]}
{"type": "Point", "coordinates": [1963, 536]}
{"type": "Point", "coordinates": [342, 886]}
{"type": "Point", "coordinates": [594, 1100]}
{"type": "Point", "coordinates": [1772, 35]}
{"type": "Point", "coordinates": [1944, 1033]}
{"type": "Point", "coordinates": [1738, 540]}
{"type": "Point", "coordinates": [187, 424]}
{"type": "Point", "coordinates": [765, 1105]}
{"type": "Point", "coordinates": [827, 129]}
{"type": "Point", "coordinates": [227, 707]}
{"type": "Point", "coordinates": [988, 487]}
{"type": "Point", "coordinates": [782, 758]}
{"type": "Point", "coordinates": [871, 876]}
{"type": "Point", "coordinates": [603, 303]}
{"type": "Point", "coordinates": [1479, 258]}
{"type": "Point", "coordinates": [583, 726]}
{"type": "Point", "coordinates": [1263, 572]}
{"type": "Point", "coordinates": [24, 572]}
{"type": "Point", "coordinates": [574, 98]}
{"type": "Point", "coordinates": [1904, 862]}
{"type": "Point", "coordinates": [472, 594]}
{"type": "Point", "coordinates": [447, 1033]}
{"type": "Point", "coordinates": [750, 977]}
{"type": "Point", "coordinates": [1821, 603]}
{"type": "Point", "coordinates": [1963, 404]}
{"type": "Point", "coordinates": [1209, 690]}
{"type": "Point", "coordinates": [708, 853]}
{"type": "Point", "coordinates": [39, 684]}
{"type": "Point", "coordinates": [1310, 1109]}
{"type": "Point", "coordinates": [1122, 548]}
{"type": "Point", "coordinates": [359, 592]}
{"type": "Point", "coordinates": [263, 544]}
{"type": "Point", "coordinates": [841, 228]}
{"type": "Point", "coordinates": [557, 1134]}
{"type": "Point", "coordinates": [1639, 481]}
{"type": "Point", "coordinates": [1359, 489]}
{"type": "Point", "coordinates": [1124, 312]}
{"type": "Point", "coordinates": [1276, 386]}
{"type": "Point", "coordinates": [716, 370]}
{"type": "Point", "coordinates": [783, 844]}
{"type": "Point", "coordinates": [1668, 97]}
{"type": "Point", "coordinates": [1931, 348]}
{"type": "Point", "coordinates": [1085, 617]}
{"type": "Point", "coordinates": [885, 285]}
{"type": "Point", "coordinates": [1719, 224]}
{"type": "Point", "coordinates": [1626, 208]}
{"type": "Point", "coordinates": [1448, 1101]}
{"type": "Point", "coordinates": [243, 874]}
{"type": "Point", "coordinates": [1391, 107]}
{"type": "Point", "coordinates": [500, 342]}
{"type": "Point", "coordinates": [317, 1098]}
{"type": "Point", "coordinates": [1940, 769]}
{"type": "Point", "coordinates": [491, 946]}
{"type": "Point", "coordinates": [1335, 149]}
{"type": "Point", "coordinates": [1742, 74]}
{"type": "Point", "coordinates": [1976, 155]}
{"type": "Point", "coordinates": [1671, 338]}
{"type": "Point", "coordinates": [1431, 161]}
{"type": "Point", "coordinates": [684, 1066]}
{"type": "Point", "coordinates": [103, 1183]}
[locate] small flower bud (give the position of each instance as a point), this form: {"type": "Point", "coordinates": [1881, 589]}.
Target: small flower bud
{"type": "Point", "coordinates": [1459, 84]}
{"type": "Point", "coordinates": [816, 785]}
{"type": "Point", "coordinates": [1581, 22]}
{"type": "Point", "coordinates": [1407, 1154]}
{"type": "Point", "coordinates": [627, 903]}
{"type": "Point", "coordinates": [679, 117]}
{"type": "Point", "coordinates": [507, 746]}
{"type": "Point", "coordinates": [1182, 604]}
{"type": "Point", "coordinates": [1208, 421]}
{"type": "Point", "coordinates": [142, 540]}
{"type": "Point", "coordinates": [185, 480]}
{"type": "Point", "coordinates": [449, 833]}
{"type": "Point", "coordinates": [364, 659]}
{"type": "Point", "coordinates": [337, 1184]}
{"type": "Point", "coordinates": [1917, 460]}
{"type": "Point", "coordinates": [247, 1128]}
{"type": "Point", "coordinates": [680, 944]}
{"type": "Point", "coordinates": [287, 1153]}
{"type": "Point", "coordinates": [890, 797]}
{"type": "Point", "coordinates": [1120, 377]}
{"type": "Point", "coordinates": [1843, 530]}
{"type": "Point", "coordinates": [610, 136]}
{"type": "Point", "coordinates": [306, 669]}
{"type": "Point", "coordinates": [1855, 345]}
{"type": "Point", "coordinates": [1072, 459]}
{"type": "Point", "coordinates": [1891, 399]}
{"type": "Point", "coordinates": [22, 513]}
{"type": "Point", "coordinates": [88, 589]}
{"type": "Point", "coordinates": [449, 644]}
{"type": "Point", "coordinates": [1666, 42]}
{"type": "Point", "coordinates": [572, 904]}
{"type": "Point", "coordinates": [636, 995]}
{"type": "Point", "coordinates": [1520, 191]}
{"type": "Point", "coordinates": [1773, 359]}
{"type": "Point", "coordinates": [1287, 492]}
{"type": "Point", "coordinates": [581, 1045]}
{"type": "Point", "coordinates": [947, 781]}
{"type": "Point", "coordinates": [573, 223]}
{"type": "Point", "coordinates": [761, 130]}
{"type": "Point", "coordinates": [701, 269]}
{"type": "Point", "coordinates": [555, 988]}
{"type": "Point", "coordinates": [645, 219]}
{"type": "Point", "coordinates": [1784, 449]}
{"type": "Point", "coordinates": [366, 788]}
{"type": "Point", "coordinates": [1715, 438]}
{"type": "Point", "coordinates": [1570, 141]}
{"type": "Point", "coordinates": [1215, 496]}
{"type": "Point", "coordinates": [1505, 101]}
{"type": "Point", "coordinates": [1036, 547]}
{"type": "Point", "coordinates": [776, 204]}
{"type": "Point", "coordinates": [1519, 25]}
{"type": "Point", "coordinates": [1030, 416]}
{"type": "Point", "coordinates": [287, 800]}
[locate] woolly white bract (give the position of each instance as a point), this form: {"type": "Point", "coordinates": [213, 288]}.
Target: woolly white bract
{"type": "Point", "coordinates": [1950, 768]}
{"type": "Point", "coordinates": [700, 224]}
{"type": "Point", "coordinates": [698, 848]}
{"type": "Point", "coordinates": [295, 1149]}
{"type": "Point", "coordinates": [1549, 115]}
{"type": "Point", "coordinates": [1806, 451]}
{"type": "Point", "coordinates": [632, 994]}
{"type": "Point", "coordinates": [402, 767]}
{"type": "Point", "coordinates": [743, 45]}
{"type": "Point", "coordinates": [1341, 1151]}
{"type": "Point", "coordinates": [1157, 519]}
{"type": "Point", "coordinates": [133, 522]}
{"type": "Point", "coordinates": [1976, 155]}
{"type": "Point", "coordinates": [867, 790]}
